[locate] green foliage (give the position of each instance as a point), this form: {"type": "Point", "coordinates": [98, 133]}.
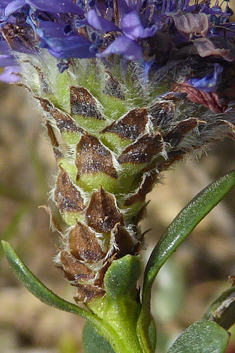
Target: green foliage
{"type": "Point", "coordinates": [178, 230]}
{"type": "Point", "coordinates": [36, 287]}
{"type": "Point", "coordinates": [121, 307]}
{"type": "Point", "coordinates": [204, 337]}
{"type": "Point", "coordinates": [93, 342]}
{"type": "Point", "coordinates": [184, 223]}
{"type": "Point", "coordinates": [122, 276]}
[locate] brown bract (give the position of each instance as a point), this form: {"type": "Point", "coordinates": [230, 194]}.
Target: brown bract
{"type": "Point", "coordinates": [131, 126]}
{"type": "Point", "coordinates": [113, 87]}
{"type": "Point", "coordinates": [66, 195]}
{"type": "Point", "coordinates": [63, 121]}
{"type": "Point", "coordinates": [208, 99]}
{"type": "Point", "coordinates": [178, 132]}
{"type": "Point", "coordinates": [84, 244]}
{"type": "Point", "coordinates": [81, 276]}
{"type": "Point", "coordinates": [102, 213]}
{"type": "Point", "coordinates": [146, 185]}
{"type": "Point", "coordinates": [93, 157]}
{"type": "Point", "coordinates": [83, 103]}
{"type": "Point", "coordinates": [162, 114]}
{"type": "Point", "coordinates": [142, 150]}
{"type": "Point", "coordinates": [124, 241]}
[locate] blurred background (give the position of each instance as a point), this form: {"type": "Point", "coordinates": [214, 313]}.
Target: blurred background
{"type": "Point", "coordinates": [197, 272]}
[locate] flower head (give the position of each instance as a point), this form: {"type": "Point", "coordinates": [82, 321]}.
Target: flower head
{"type": "Point", "coordinates": [127, 87]}
{"type": "Point", "coordinates": [125, 28]}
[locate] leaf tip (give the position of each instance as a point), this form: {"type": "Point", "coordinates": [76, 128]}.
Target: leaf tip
{"type": "Point", "coordinates": [5, 245]}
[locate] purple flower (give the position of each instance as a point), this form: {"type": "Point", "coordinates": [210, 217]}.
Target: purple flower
{"type": "Point", "coordinates": [132, 27]}
{"type": "Point", "coordinates": [99, 23]}
{"type": "Point", "coordinates": [10, 74]}
{"type": "Point", "coordinates": [209, 82]}
{"type": "Point", "coordinates": [123, 46]}
{"type": "Point", "coordinates": [7, 60]}
{"type": "Point", "coordinates": [61, 45]}
{"type": "Point", "coordinates": [58, 6]}
{"type": "Point", "coordinates": [149, 32]}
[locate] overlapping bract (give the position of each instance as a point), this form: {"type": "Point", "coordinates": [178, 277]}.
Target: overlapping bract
{"type": "Point", "coordinates": [126, 89]}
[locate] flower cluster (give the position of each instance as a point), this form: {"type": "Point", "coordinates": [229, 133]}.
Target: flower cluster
{"type": "Point", "coordinates": [152, 31]}
{"type": "Point", "coordinates": [127, 87]}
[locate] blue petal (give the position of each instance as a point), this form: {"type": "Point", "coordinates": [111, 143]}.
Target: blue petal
{"type": "Point", "coordinates": [63, 46]}
{"type": "Point", "coordinates": [7, 60]}
{"type": "Point", "coordinates": [61, 6]}
{"type": "Point", "coordinates": [133, 28]}
{"type": "Point", "coordinates": [4, 3]}
{"type": "Point", "coordinates": [54, 6]}
{"type": "Point", "coordinates": [99, 22]}
{"type": "Point", "coordinates": [123, 46]}
{"type": "Point", "coordinates": [123, 7]}
{"type": "Point", "coordinates": [208, 83]}
{"type": "Point", "coordinates": [10, 74]}
{"type": "Point", "coordinates": [13, 6]}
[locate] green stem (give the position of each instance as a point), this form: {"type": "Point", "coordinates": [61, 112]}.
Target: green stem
{"type": "Point", "coordinates": [120, 308]}
{"type": "Point", "coordinates": [123, 323]}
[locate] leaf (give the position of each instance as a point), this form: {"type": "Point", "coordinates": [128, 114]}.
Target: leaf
{"type": "Point", "coordinates": [121, 278]}
{"type": "Point", "coordinates": [36, 287]}
{"type": "Point", "coordinates": [222, 310]}
{"type": "Point", "coordinates": [178, 230]}
{"type": "Point", "coordinates": [93, 342]}
{"type": "Point", "coordinates": [122, 306]}
{"type": "Point", "coordinates": [185, 222]}
{"type": "Point", "coordinates": [39, 290]}
{"type": "Point", "coordinates": [204, 337]}
{"type": "Point", "coordinates": [153, 334]}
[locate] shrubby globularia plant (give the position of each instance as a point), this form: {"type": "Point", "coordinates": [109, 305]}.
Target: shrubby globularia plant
{"type": "Point", "coordinates": [126, 88]}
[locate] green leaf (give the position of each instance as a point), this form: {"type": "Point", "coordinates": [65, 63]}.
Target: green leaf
{"type": "Point", "coordinates": [36, 287]}
{"type": "Point", "coordinates": [93, 342]}
{"type": "Point", "coordinates": [222, 310]}
{"type": "Point", "coordinates": [122, 276]}
{"type": "Point", "coordinates": [122, 308]}
{"type": "Point", "coordinates": [153, 334]}
{"type": "Point", "coordinates": [201, 337]}
{"type": "Point", "coordinates": [185, 222]}
{"type": "Point", "coordinates": [178, 230]}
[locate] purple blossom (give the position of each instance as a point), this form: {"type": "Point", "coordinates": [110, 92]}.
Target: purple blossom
{"type": "Point", "coordinates": [10, 74]}
{"type": "Point", "coordinates": [209, 82]}
{"type": "Point", "coordinates": [99, 23]}
{"type": "Point", "coordinates": [61, 45]}
{"type": "Point", "coordinates": [132, 27]}
{"type": "Point", "coordinates": [146, 31]}
{"type": "Point", "coordinates": [58, 6]}
{"type": "Point", "coordinates": [7, 60]}
{"type": "Point", "coordinates": [130, 49]}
